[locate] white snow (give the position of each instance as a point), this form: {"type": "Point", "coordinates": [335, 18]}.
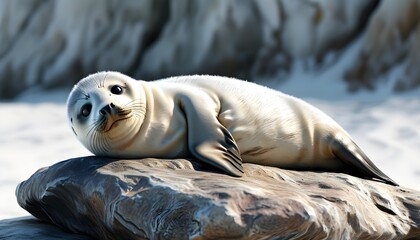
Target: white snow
{"type": "Point", "coordinates": [33, 134]}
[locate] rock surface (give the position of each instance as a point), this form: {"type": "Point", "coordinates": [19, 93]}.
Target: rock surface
{"type": "Point", "coordinates": [44, 44]}
{"type": "Point", "coordinates": [32, 228]}
{"type": "Point", "coordinates": [392, 41]}
{"type": "Point", "coordinates": [179, 199]}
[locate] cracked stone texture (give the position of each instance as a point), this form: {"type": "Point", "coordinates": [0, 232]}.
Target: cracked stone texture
{"type": "Point", "coordinates": [182, 199]}
{"type": "Point", "coordinates": [32, 228]}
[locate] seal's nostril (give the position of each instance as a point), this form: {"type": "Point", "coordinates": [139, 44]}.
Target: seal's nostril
{"type": "Point", "coordinates": [112, 105]}
{"type": "Point", "coordinates": [106, 110]}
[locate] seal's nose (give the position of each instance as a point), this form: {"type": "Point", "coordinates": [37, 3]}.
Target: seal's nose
{"type": "Point", "coordinates": [107, 109]}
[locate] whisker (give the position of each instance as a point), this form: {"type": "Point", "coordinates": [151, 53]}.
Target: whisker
{"type": "Point", "coordinates": [136, 107]}
{"type": "Point", "coordinates": [103, 80]}
{"type": "Point", "coordinates": [96, 82]}
{"type": "Point", "coordinates": [100, 142]}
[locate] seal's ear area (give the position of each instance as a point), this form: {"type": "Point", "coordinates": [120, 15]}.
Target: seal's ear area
{"type": "Point", "coordinates": [351, 154]}
{"type": "Point", "coordinates": [208, 140]}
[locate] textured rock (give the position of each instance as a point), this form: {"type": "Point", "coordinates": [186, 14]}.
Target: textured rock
{"type": "Point", "coordinates": [32, 228]}
{"type": "Point", "coordinates": [250, 39]}
{"type": "Point", "coordinates": [44, 44]}
{"type": "Point", "coordinates": [392, 40]}
{"type": "Point", "coordinates": [178, 199]}
{"type": "Point", "coordinates": [203, 36]}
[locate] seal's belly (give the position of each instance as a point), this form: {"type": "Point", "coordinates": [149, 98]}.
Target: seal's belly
{"type": "Point", "coordinates": [265, 148]}
{"type": "Point", "coordinates": [279, 148]}
{"type": "Point", "coordinates": [273, 136]}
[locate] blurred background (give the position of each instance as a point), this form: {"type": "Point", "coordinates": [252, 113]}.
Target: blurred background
{"type": "Point", "coordinates": [356, 60]}
{"type": "Point", "coordinates": [54, 43]}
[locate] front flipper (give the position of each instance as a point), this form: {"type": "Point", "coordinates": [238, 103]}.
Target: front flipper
{"type": "Point", "coordinates": [208, 140]}
{"type": "Point", "coordinates": [348, 151]}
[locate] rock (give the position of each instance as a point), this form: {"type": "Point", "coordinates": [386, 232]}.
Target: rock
{"type": "Point", "coordinates": [391, 41]}
{"type": "Point", "coordinates": [217, 37]}
{"type": "Point", "coordinates": [43, 44]}
{"type": "Point", "coordinates": [251, 39]}
{"type": "Point", "coordinates": [180, 199]}
{"type": "Point", "coordinates": [32, 228]}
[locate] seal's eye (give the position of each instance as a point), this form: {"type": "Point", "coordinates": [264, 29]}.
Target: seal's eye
{"type": "Point", "coordinates": [85, 111]}
{"type": "Point", "coordinates": [116, 89]}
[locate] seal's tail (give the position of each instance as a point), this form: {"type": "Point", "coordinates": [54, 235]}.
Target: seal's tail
{"type": "Point", "coordinates": [349, 152]}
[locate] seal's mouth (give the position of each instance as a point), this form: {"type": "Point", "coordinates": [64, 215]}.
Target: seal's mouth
{"type": "Point", "coordinates": [115, 123]}
{"type": "Point", "coordinates": [111, 116]}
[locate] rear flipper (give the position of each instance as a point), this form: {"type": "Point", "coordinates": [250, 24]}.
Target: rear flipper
{"type": "Point", "coordinates": [347, 150]}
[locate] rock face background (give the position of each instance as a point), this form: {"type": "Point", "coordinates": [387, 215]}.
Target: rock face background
{"type": "Point", "coordinates": [51, 43]}
{"type": "Point", "coordinates": [179, 199]}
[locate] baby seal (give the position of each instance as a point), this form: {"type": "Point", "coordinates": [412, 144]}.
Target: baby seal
{"type": "Point", "coordinates": [218, 120]}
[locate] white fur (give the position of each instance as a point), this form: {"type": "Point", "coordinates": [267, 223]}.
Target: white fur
{"type": "Point", "coordinates": [269, 127]}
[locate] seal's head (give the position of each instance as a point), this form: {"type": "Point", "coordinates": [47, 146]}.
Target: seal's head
{"type": "Point", "coordinates": [105, 110]}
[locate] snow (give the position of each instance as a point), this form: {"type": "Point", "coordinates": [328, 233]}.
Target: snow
{"type": "Point", "coordinates": [33, 134]}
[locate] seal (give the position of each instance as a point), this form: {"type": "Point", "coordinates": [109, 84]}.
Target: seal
{"type": "Point", "coordinates": [218, 120]}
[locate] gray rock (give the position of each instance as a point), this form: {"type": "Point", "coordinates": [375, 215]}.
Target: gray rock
{"type": "Point", "coordinates": [54, 43]}
{"type": "Point", "coordinates": [391, 41]}
{"type": "Point", "coordinates": [32, 228]}
{"type": "Point", "coordinates": [180, 199]}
